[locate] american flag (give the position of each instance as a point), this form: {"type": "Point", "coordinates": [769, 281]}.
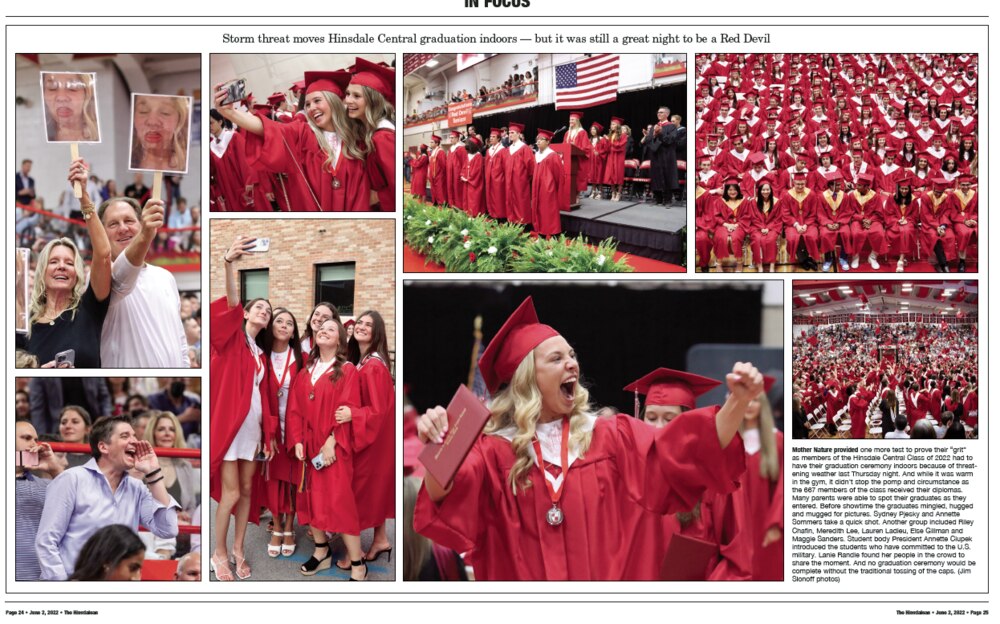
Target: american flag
{"type": "Point", "coordinates": [588, 82]}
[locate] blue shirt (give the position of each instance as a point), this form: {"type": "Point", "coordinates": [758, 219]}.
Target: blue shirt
{"type": "Point", "coordinates": [80, 501]}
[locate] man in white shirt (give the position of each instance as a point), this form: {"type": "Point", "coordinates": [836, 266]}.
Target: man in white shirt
{"type": "Point", "coordinates": [143, 327]}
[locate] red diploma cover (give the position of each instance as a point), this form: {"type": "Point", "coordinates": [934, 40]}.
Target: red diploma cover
{"type": "Point", "coordinates": [466, 418]}
{"type": "Point", "coordinates": [687, 559]}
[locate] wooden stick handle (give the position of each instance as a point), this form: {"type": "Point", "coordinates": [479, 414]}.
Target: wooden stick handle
{"type": "Point", "coordinates": [157, 184]}
{"type": "Point", "coordinates": [74, 154]}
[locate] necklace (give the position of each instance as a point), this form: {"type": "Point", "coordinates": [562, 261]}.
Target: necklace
{"type": "Point", "coordinates": [554, 516]}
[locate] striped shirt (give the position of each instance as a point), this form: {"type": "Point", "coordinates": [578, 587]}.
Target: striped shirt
{"type": "Point", "coordinates": [29, 499]}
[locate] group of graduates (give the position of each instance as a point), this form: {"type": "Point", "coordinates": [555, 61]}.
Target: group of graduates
{"type": "Point", "coordinates": [874, 153]}
{"type": "Point", "coordinates": [507, 180]}
{"type": "Point", "coordinates": [929, 376]}
{"type": "Point", "coordinates": [303, 424]}
{"type": "Point", "coordinates": [327, 144]}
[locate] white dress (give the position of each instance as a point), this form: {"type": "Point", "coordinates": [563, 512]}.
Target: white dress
{"type": "Point", "coordinates": [247, 441]}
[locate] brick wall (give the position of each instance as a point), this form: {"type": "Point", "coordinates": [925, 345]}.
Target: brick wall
{"type": "Point", "coordinates": [298, 245]}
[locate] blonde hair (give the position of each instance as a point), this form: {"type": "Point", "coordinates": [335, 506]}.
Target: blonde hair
{"type": "Point", "coordinates": [154, 419]}
{"type": "Point", "coordinates": [178, 142]}
{"type": "Point", "coordinates": [377, 108]}
{"type": "Point", "coordinates": [769, 466]}
{"type": "Point", "coordinates": [90, 130]}
{"type": "Point", "coordinates": [39, 298]}
{"type": "Point", "coordinates": [341, 125]}
{"type": "Point", "coordinates": [519, 405]}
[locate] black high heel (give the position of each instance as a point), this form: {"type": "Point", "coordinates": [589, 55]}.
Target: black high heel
{"type": "Point", "coordinates": [355, 564]}
{"type": "Point", "coordinates": [314, 565]}
{"type": "Point", "coordinates": [387, 551]}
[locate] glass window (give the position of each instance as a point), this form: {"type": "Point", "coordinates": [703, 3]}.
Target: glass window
{"type": "Point", "coordinates": [335, 284]}
{"type": "Point", "coordinates": [253, 284]}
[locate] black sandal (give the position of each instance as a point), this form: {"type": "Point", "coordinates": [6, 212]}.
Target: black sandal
{"type": "Point", "coordinates": [355, 564]}
{"type": "Point", "coordinates": [387, 551]}
{"type": "Point", "coordinates": [314, 565]}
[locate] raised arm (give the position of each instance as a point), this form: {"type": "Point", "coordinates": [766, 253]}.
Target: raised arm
{"type": "Point", "coordinates": [240, 246]}
{"type": "Point", "coordinates": [100, 264]}
{"type": "Point", "coordinates": [745, 384]}
{"type": "Point", "coordinates": [152, 220]}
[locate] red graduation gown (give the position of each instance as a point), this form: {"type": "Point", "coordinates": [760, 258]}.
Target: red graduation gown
{"type": "Point", "coordinates": [284, 471]}
{"type": "Point", "coordinates": [731, 243]}
{"type": "Point", "coordinates": [418, 184]}
{"type": "Point", "coordinates": [598, 160]}
{"type": "Point", "coordinates": [374, 430]}
{"type": "Point", "coordinates": [519, 172]}
{"type": "Point", "coordinates": [380, 166]}
{"type": "Point", "coordinates": [964, 208]}
{"type": "Point", "coordinates": [760, 504]}
{"type": "Point", "coordinates": [473, 184]}
{"type": "Point", "coordinates": [232, 370]}
{"type": "Point", "coordinates": [836, 212]}
{"type": "Point", "coordinates": [457, 158]}
{"type": "Point", "coordinates": [328, 499]}
{"type": "Point", "coordinates": [867, 207]}
{"type": "Point", "coordinates": [804, 213]}
{"type": "Point", "coordinates": [581, 140]}
{"type": "Point", "coordinates": [545, 196]}
{"type": "Point", "coordinates": [291, 148]}
{"type": "Point", "coordinates": [704, 224]}
{"type": "Point", "coordinates": [902, 237]}
{"type": "Point", "coordinates": [765, 246]}
{"type": "Point", "coordinates": [628, 464]}
{"type": "Point", "coordinates": [496, 182]}
{"type": "Point", "coordinates": [933, 214]}
{"type": "Point", "coordinates": [227, 173]}
{"type": "Point", "coordinates": [438, 171]}
{"type": "Point", "coordinates": [614, 169]}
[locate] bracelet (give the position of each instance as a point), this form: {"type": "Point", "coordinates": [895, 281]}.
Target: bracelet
{"type": "Point", "coordinates": [150, 474]}
{"type": "Point", "coordinates": [155, 481]}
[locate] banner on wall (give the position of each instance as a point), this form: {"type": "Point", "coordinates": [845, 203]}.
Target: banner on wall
{"type": "Point", "coordinates": [465, 61]}
{"type": "Point", "coordinates": [665, 68]}
{"type": "Point", "coordinates": [460, 113]}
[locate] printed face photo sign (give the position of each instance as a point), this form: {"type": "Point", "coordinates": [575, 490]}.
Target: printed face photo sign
{"type": "Point", "coordinates": [161, 133]}
{"type": "Point", "coordinates": [69, 106]}
{"type": "Point", "coordinates": [22, 257]}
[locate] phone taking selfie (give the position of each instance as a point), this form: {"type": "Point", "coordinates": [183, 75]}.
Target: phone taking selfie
{"type": "Point", "coordinates": [236, 91]}
{"type": "Point", "coordinates": [27, 459]}
{"type": "Point", "coordinates": [260, 245]}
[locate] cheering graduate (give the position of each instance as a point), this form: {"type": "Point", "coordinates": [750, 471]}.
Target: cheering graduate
{"type": "Point", "coordinates": [472, 179]}
{"type": "Point", "coordinates": [418, 185]}
{"type": "Point", "coordinates": [518, 174]}
{"type": "Point", "coordinates": [670, 393]}
{"type": "Point", "coordinates": [242, 423]}
{"type": "Point", "coordinates": [328, 382]}
{"type": "Point", "coordinates": [370, 102]}
{"type": "Point", "coordinates": [548, 482]}
{"type": "Point", "coordinates": [496, 180]}
{"type": "Point", "coordinates": [323, 158]}
{"type": "Point", "coordinates": [545, 187]}
{"type": "Point", "coordinates": [437, 169]}
{"type": "Point", "coordinates": [457, 158]}
{"type": "Point", "coordinates": [374, 431]}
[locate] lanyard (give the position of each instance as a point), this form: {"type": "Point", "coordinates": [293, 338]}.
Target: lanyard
{"type": "Point", "coordinates": [554, 516]}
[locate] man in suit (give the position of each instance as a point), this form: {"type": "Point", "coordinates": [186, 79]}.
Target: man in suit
{"type": "Point", "coordinates": [663, 157]}
{"type": "Point", "coordinates": [24, 184]}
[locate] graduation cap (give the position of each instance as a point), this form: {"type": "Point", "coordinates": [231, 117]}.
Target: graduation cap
{"type": "Point", "coordinates": [666, 386]}
{"type": "Point", "coordinates": [375, 76]}
{"type": "Point", "coordinates": [515, 127]}
{"type": "Point", "coordinates": [435, 138]}
{"type": "Point", "coordinates": [545, 134]}
{"type": "Point", "coordinates": [619, 120]}
{"type": "Point", "coordinates": [576, 114]}
{"type": "Point", "coordinates": [334, 82]}
{"type": "Point", "coordinates": [518, 336]}
{"type": "Point", "coordinates": [599, 127]}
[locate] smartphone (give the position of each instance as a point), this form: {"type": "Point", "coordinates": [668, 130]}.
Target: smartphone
{"type": "Point", "coordinates": [65, 359]}
{"type": "Point", "coordinates": [260, 456]}
{"type": "Point", "coordinates": [236, 91]}
{"type": "Point", "coordinates": [317, 461]}
{"type": "Point", "coordinates": [27, 459]}
{"type": "Point", "coordinates": [260, 245]}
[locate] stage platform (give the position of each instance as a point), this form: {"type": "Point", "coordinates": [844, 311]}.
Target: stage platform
{"type": "Point", "coordinates": [642, 229]}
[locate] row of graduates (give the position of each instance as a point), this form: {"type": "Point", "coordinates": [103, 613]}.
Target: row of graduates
{"type": "Point", "coordinates": [549, 481]}
{"type": "Point", "coordinates": [944, 221]}
{"type": "Point", "coordinates": [886, 162]}
{"type": "Point", "coordinates": [319, 409]}
{"type": "Point", "coordinates": [336, 153]}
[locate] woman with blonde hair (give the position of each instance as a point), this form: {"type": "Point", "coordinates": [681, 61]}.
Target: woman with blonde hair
{"type": "Point", "coordinates": [323, 158]}
{"type": "Point", "coordinates": [548, 482]}
{"type": "Point", "coordinates": [614, 167]}
{"type": "Point", "coordinates": [164, 431]}
{"type": "Point", "coordinates": [160, 133]}
{"type": "Point", "coordinates": [66, 312]}
{"type": "Point", "coordinates": [369, 102]}
{"type": "Point", "coordinates": [70, 107]}
{"type": "Point", "coordinates": [760, 497]}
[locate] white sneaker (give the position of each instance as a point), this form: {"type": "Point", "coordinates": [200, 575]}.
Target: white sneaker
{"type": "Point", "coordinates": [827, 265]}
{"type": "Point", "coordinates": [872, 260]}
{"type": "Point", "coordinates": [899, 266]}
{"type": "Point", "coordinates": [843, 265]}
{"type": "Point", "coordinates": [855, 261]}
